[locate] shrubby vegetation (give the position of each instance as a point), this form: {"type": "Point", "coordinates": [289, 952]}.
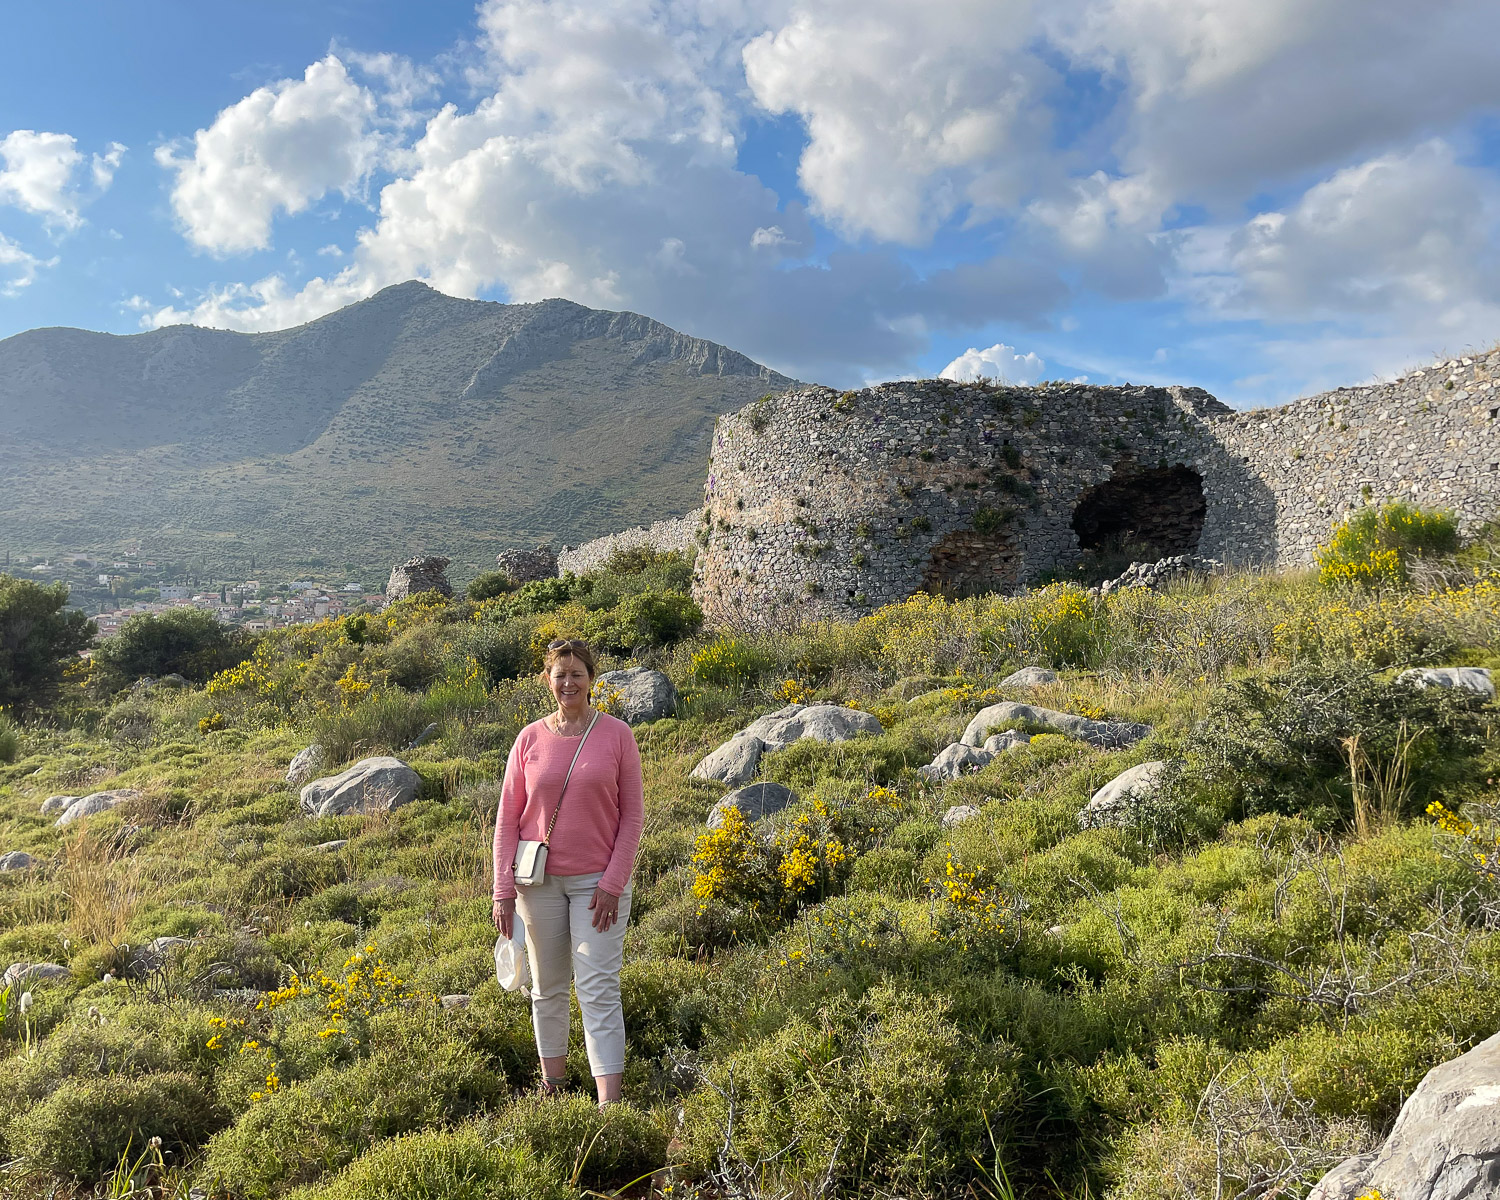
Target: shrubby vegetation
{"type": "Point", "coordinates": [850, 1000]}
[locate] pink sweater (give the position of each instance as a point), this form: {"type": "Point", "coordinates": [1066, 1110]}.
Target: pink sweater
{"type": "Point", "coordinates": [600, 825]}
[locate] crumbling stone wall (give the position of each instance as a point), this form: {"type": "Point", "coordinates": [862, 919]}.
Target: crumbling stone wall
{"type": "Point", "coordinates": [525, 566]}
{"type": "Point", "coordinates": [425, 573]}
{"type": "Point", "coordinates": [673, 534]}
{"type": "Point", "coordinates": [826, 503]}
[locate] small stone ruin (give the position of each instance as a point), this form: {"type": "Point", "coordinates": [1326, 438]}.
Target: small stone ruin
{"type": "Point", "coordinates": [416, 575]}
{"type": "Point", "coordinates": [524, 566]}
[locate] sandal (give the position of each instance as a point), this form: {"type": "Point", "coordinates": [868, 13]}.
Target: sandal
{"type": "Point", "coordinates": [553, 1087]}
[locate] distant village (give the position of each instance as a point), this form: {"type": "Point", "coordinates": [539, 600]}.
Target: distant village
{"type": "Point", "coordinates": [111, 590]}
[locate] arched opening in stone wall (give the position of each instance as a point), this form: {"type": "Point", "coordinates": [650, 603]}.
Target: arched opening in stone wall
{"type": "Point", "coordinates": [969, 563]}
{"type": "Point", "coordinates": [1141, 514]}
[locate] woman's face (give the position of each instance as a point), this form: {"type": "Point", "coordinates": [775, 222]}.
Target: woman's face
{"type": "Point", "coordinates": [569, 680]}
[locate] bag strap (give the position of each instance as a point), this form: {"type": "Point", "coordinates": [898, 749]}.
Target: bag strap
{"type": "Point", "coordinates": [552, 824]}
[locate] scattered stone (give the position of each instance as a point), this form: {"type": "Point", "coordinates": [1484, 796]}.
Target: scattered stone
{"type": "Point", "coordinates": [958, 814]}
{"type": "Point", "coordinates": [331, 847]}
{"type": "Point", "coordinates": [1108, 735]}
{"type": "Point", "coordinates": [821, 722]}
{"type": "Point", "coordinates": [417, 575]}
{"type": "Point", "coordinates": [524, 566]}
{"type": "Point", "coordinates": [307, 764]}
{"type": "Point", "coordinates": [1445, 1144]}
{"type": "Point", "coordinates": [644, 694]}
{"type": "Point", "coordinates": [56, 804]}
{"type": "Point", "coordinates": [1473, 679]}
{"type": "Point", "coordinates": [455, 1000]}
{"type": "Point", "coordinates": [29, 973]}
{"type": "Point", "coordinates": [425, 736]}
{"type": "Point", "coordinates": [754, 802]}
{"type": "Point", "coordinates": [155, 952]}
{"type": "Point", "coordinates": [370, 785]}
{"type": "Point", "coordinates": [16, 860]}
{"type": "Point", "coordinates": [1029, 677]}
{"type": "Point", "coordinates": [96, 802]}
{"type": "Point", "coordinates": [1117, 802]}
{"type": "Point", "coordinates": [733, 762]}
{"type": "Point", "coordinates": [173, 680]}
{"type": "Point", "coordinates": [956, 760]}
{"type": "Point", "coordinates": [1157, 575]}
{"type": "Point", "coordinates": [998, 743]}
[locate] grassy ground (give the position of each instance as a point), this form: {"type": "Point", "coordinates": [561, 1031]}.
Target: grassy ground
{"type": "Point", "coordinates": [1231, 992]}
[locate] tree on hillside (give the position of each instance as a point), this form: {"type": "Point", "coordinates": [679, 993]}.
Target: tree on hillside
{"type": "Point", "coordinates": [181, 641]}
{"type": "Point", "coordinates": [38, 637]}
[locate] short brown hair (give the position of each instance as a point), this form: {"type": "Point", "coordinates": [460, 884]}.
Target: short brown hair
{"type": "Point", "coordinates": [577, 648]}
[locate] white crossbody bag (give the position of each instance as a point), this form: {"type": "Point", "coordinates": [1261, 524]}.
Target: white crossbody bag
{"type": "Point", "coordinates": [531, 857]}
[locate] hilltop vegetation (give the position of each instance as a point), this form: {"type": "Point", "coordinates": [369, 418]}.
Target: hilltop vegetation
{"type": "Point", "coordinates": [1234, 989]}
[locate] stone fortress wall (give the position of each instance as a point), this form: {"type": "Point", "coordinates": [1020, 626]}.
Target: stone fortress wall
{"type": "Point", "coordinates": [675, 533]}
{"type": "Point", "coordinates": [826, 503]}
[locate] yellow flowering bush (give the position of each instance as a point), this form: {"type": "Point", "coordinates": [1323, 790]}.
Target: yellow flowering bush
{"type": "Point", "coordinates": [1374, 547]}
{"type": "Point", "coordinates": [971, 907]}
{"type": "Point", "coordinates": [791, 692]}
{"type": "Point", "coordinates": [804, 861]}
{"type": "Point", "coordinates": [1479, 840]}
{"type": "Point", "coordinates": [728, 662]}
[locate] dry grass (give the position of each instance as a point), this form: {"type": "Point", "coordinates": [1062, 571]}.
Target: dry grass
{"type": "Point", "coordinates": [103, 886]}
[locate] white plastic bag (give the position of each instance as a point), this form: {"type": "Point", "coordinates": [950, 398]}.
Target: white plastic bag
{"type": "Point", "coordinates": [511, 968]}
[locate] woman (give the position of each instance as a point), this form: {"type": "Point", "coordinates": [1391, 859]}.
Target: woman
{"type": "Point", "coordinates": [575, 918]}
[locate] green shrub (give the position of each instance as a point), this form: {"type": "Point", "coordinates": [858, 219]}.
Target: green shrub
{"type": "Point", "coordinates": [85, 1126]}
{"type": "Point", "coordinates": [180, 641]}
{"type": "Point", "coordinates": [10, 740]}
{"type": "Point", "coordinates": [441, 1165]}
{"type": "Point", "coordinates": [1376, 545]}
{"type": "Point", "coordinates": [607, 1148]}
{"type": "Point", "coordinates": [730, 662]}
{"type": "Point", "coordinates": [644, 619]}
{"type": "Point", "coordinates": [489, 585]}
{"type": "Point", "coordinates": [38, 638]}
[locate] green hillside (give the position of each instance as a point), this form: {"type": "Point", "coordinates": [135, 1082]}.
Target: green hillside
{"type": "Point", "coordinates": [408, 422]}
{"type": "Point", "coordinates": [1223, 994]}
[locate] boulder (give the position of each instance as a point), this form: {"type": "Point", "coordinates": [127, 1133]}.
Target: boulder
{"type": "Point", "coordinates": [733, 762]}
{"type": "Point", "coordinates": [24, 973]}
{"type": "Point", "coordinates": [307, 764]}
{"type": "Point", "coordinates": [821, 722]}
{"type": "Point", "coordinates": [1445, 1144]}
{"type": "Point", "coordinates": [417, 575]}
{"type": "Point", "coordinates": [331, 847]}
{"type": "Point", "coordinates": [1118, 800]}
{"type": "Point", "coordinates": [424, 737]}
{"type": "Point", "coordinates": [1157, 575]}
{"type": "Point", "coordinates": [16, 860]}
{"type": "Point", "coordinates": [997, 743]}
{"type": "Point", "coordinates": [96, 802]}
{"type": "Point", "coordinates": [524, 566]}
{"type": "Point", "coordinates": [56, 804]}
{"type": "Point", "coordinates": [956, 760]}
{"type": "Point", "coordinates": [754, 802]}
{"type": "Point", "coordinates": [455, 1000]}
{"type": "Point", "coordinates": [1029, 677]}
{"type": "Point", "coordinates": [1472, 679]}
{"type": "Point", "coordinates": [644, 694]}
{"type": "Point", "coordinates": [1108, 735]}
{"type": "Point", "coordinates": [370, 785]}
{"type": "Point", "coordinates": [155, 952]}
{"type": "Point", "coordinates": [957, 814]}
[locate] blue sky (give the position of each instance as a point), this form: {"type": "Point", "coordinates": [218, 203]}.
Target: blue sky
{"type": "Point", "coordinates": [1260, 197]}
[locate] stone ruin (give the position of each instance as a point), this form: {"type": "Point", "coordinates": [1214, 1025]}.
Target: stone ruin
{"type": "Point", "coordinates": [827, 504]}
{"type": "Point", "coordinates": [524, 566]}
{"type": "Point", "coordinates": [416, 575]}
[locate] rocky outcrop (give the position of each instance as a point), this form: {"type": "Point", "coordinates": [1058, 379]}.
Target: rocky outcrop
{"type": "Point", "coordinates": [736, 760]}
{"type": "Point", "coordinates": [370, 785]}
{"type": "Point", "coordinates": [1159, 574]}
{"type": "Point", "coordinates": [755, 802]}
{"type": "Point", "coordinates": [1120, 801]}
{"type": "Point", "coordinates": [96, 802]}
{"type": "Point", "coordinates": [526, 566]}
{"type": "Point", "coordinates": [1471, 679]}
{"type": "Point", "coordinates": [1029, 677]}
{"type": "Point", "coordinates": [1108, 735]}
{"type": "Point", "coordinates": [305, 765]}
{"type": "Point", "coordinates": [958, 814]}
{"type": "Point", "coordinates": [733, 762]}
{"type": "Point", "coordinates": [640, 693]}
{"type": "Point", "coordinates": [57, 804]}
{"type": "Point", "coordinates": [1445, 1144]}
{"type": "Point", "coordinates": [24, 974]}
{"type": "Point", "coordinates": [956, 760]}
{"type": "Point", "coordinates": [676, 533]}
{"type": "Point", "coordinates": [424, 573]}
{"type": "Point", "coordinates": [16, 860]}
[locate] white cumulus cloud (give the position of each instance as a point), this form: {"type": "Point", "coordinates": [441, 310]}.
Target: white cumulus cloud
{"type": "Point", "coordinates": [46, 174]}
{"type": "Point", "coordinates": [280, 149]}
{"type": "Point", "coordinates": [18, 268]}
{"type": "Point", "coordinates": [994, 362]}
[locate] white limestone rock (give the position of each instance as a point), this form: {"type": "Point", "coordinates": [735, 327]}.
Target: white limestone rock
{"type": "Point", "coordinates": [754, 802]}
{"type": "Point", "coordinates": [956, 760]}
{"type": "Point", "coordinates": [734, 762]}
{"type": "Point", "coordinates": [16, 860]}
{"type": "Point", "coordinates": [307, 764]}
{"type": "Point", "coordinates": [1108, 735]}
{"type": "Point", "coordinates": [821, 722]}
{"type": "Point", "coordinates": [958, 814]}
{"type": "Point", "coordinates": [1117, 802]}
{"type": "Point", "coordinates": [1445, 1144]}
{"type": "Point", "coordinates": [370, 785]}
{"type": "Point", "coordinates": [1029, 677]}
{"type": "Point", "coordinates": [27, 973]}
{"type": "Point", "coordinates": [998, 743]}
{"type": "Point", "coordinates": [96, 802]}
{"type": "Point", "coordinates": [57, 804]}
{"type": "Point", "coordinates": [1472, 679]}
{"type": "Point", "coordinates": [645, 695]}
{"type": "Point", "coordinates": [331, 847]}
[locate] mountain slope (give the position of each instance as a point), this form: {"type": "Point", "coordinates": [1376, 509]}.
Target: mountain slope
{"type": "Point", "coordinates": [409, 421]}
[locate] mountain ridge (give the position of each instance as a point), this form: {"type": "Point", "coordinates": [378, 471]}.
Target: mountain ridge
{"type": "Point", "coordinates": [409, 420]}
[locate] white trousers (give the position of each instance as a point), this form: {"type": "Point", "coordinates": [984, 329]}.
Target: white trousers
{"type": "Point", "coordinates": [564, 946]}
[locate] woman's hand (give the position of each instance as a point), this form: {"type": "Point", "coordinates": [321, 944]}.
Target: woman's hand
{"type": "Point", "coordinates": [505, 916]}
{"type": "Point", "coordinates": [606, 908]}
